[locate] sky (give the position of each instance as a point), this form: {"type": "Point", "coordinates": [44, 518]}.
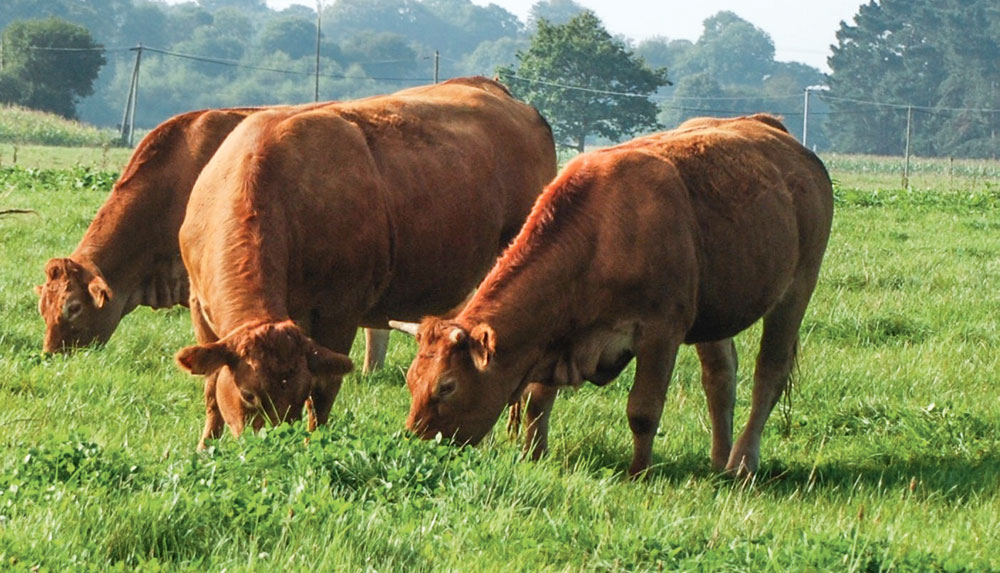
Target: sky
{"type": "Point", "coordinates": [802, 30]}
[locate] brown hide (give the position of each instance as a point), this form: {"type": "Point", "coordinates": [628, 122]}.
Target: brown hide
{"type": "Point", "coordinates": [130, 250]}
{"type": "Point", "coordinates": [346, 215]}
{"type": "Point", "coordinates": [687, 236]}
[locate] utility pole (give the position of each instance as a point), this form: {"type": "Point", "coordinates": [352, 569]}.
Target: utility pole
{"type": "Point", "coordinates": [437, 64]}
{"type": "Point", "coordinates": [906, 164]}
{"type": "Point", "coordinates": [805, 120]}
{"type": "Point", "coordinates": [319, 9]}
{"type": "Point", "coordinates": [128, 117]}
{"type": "Point", "coordinates": [805, 111]}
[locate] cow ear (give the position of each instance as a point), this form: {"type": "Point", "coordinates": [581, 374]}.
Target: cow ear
{"type": "Point", "coordinates": [324, 362]}
{"type": "Point", "coordinates": [99, 291]}
{"type": "Point", "coordinates": [204, 359]}
{"type": "Point", "coordinates": [54, 269]}
{"type": "Point", "coordinates": [482, 345]}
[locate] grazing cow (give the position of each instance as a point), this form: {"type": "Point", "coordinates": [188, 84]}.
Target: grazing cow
{"type": "Point", "coordinates": [307, 224]}
{"type": "Point", "coordinates": [129, 255]}
{"type": "Point", "coordinates": [687, 236]}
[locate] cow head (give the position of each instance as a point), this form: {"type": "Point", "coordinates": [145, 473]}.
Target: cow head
{"type": "Point", "coordinates": [265, 372]}
{"type": "Point", "coordinates": [456, 389]}
{"type": "Point", "coordinates": [74, 301]}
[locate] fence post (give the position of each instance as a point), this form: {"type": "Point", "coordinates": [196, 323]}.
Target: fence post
{"type": "Point", "coordinates": [906, 164]}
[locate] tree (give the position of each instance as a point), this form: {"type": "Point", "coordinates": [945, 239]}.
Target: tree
{"type": "Point", "coordinates": [53, 62]}
{"type": "Point", "coordinates": [585, 82]}
{"type": "Point", "coordinates": [554, 12]}
{"type": "Point", "coordinates": [382, 55]}
{"type": "Point", "coordinates": [733, 50]}
{"type": "Point", "coordinates": [928, 54]}
{"type": "Point", "coordinates": [292, 35]}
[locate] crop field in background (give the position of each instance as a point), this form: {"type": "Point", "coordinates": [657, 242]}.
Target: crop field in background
{"type": "Point", "coordinates": [888, 457]}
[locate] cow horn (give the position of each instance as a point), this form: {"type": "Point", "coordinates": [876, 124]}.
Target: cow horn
{"type": "Point", "coordinates": [407, 327]}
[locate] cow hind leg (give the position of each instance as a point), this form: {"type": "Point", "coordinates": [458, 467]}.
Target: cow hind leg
{"type": "Point", "coordinates": [778, 346]}
{"type": "Point", "coordinates": [718, 378]}
{"type": "Point", "coordinates": [537, 401]}
{"type": "Point", "coordinates": [376, 346]}
{"type": "Point", "coordinates": [654, 365]}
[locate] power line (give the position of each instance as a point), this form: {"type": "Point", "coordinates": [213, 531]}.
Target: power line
{"type": "Point", "coordinates": [94, 49]}
{"type": "Point", "coordinates": [236, 64]}
{"type": "Point", "coordinates": [905, 106]}
{"type": "Point", "coordinates": [656, 97]}
{"type": "Point", "coordinates": [649, 96]}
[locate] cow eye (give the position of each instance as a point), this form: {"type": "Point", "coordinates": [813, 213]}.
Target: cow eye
{"type": "Point", "coordinates": [248, 397]}
{"type": "Point", "coordinates": [73, 308]}
{"type": "Point", "coordinates": [445, 387]}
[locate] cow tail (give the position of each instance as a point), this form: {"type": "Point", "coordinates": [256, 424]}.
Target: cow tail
{"type": "Point", "coordinates": [791, 386]}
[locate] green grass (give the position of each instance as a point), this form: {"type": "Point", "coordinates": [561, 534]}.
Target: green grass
{"type": "Point", "coordinates": [889, 458]}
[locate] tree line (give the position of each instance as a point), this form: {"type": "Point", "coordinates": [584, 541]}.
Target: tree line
{"type": "Point", "coordinates": [941, 56]}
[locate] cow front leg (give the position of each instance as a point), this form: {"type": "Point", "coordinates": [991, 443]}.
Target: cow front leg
{"type": "Point", "coordinates": [337, 334]}
{"type": "Point", "coordinates": [537, 399]}
{"type": "Point", "coordinates": [654, 365]}
{"type": "Point", "coordinates": [323, 395]}
{"type": "Point", "coordinates": [376, 346]}
{"type": "Point", "coordinates": [214, 422]}
{"type": "Point", "coordinates": [514, 419]}
{"type": "Point", "coordinates": [718, 378]}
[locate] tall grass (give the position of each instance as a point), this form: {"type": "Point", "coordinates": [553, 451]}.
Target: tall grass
{"type": "Point", "coordinates": [24, 126]}
{"type": "Point", "coordinates": [925, 173]}
{"type": "Point", "coordinates": [888, 458]}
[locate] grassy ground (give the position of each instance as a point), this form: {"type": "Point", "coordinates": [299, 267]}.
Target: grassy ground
{"type": "Point", "coordinates": [888, 458]}
{"type": "Point", "coordinates": [104, 158]}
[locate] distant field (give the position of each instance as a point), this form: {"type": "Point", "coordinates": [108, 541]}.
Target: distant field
{"type": "Point", "coordinates": [29, 127]}
{"type": "Point", "coordinates": [859, 171]}
{"type": "Point", "coordinates": [888, 458]}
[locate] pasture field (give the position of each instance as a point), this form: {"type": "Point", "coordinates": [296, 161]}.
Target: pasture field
{"type": "Point", "coordinates": [888, 457]}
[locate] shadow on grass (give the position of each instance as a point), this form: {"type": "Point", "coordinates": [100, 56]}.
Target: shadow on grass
{"type": "Point", "coordinates": [948, 476]}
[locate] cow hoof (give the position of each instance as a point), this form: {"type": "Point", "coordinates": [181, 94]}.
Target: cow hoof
{"type": "Point", "coordinates": [742, 465]}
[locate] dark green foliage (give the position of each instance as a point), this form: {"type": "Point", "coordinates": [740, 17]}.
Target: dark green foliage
{"type": "Point", "coordinates": [53, 64]}
{"type": "Point", "coordinates": [925, 53]}
{"type": "Point", "coordinates": [582, 54]}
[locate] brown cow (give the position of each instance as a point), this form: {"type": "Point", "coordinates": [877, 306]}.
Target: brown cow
{"type": "Point", "coordinates": [306, 225]}
{"type": "Point", "coordinates": [129, 255]}
{"type": "Point", "coordinates": [687, 236]}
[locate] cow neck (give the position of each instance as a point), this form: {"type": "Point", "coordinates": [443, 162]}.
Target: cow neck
{"type": "Point", "coordinates": [533, 307]}
{"type": "Point", "coordinates": [134, 234]}
{"type": "Point", "coordinates": [256, 253]}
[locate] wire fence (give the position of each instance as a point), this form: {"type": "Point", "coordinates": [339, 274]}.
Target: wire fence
{"type": "Point", "coordinates": [791, 105]}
